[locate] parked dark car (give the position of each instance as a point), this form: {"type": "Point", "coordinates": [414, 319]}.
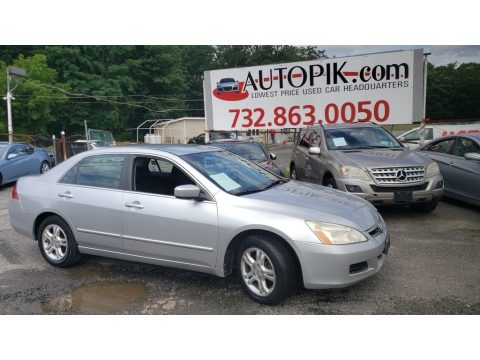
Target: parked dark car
{"type": "Point", "coordinates": [459, 160]}
{"type": "Point", "coordinates": [214, 135]}
{"type": "Point", "coordinates": [19, 159]}
{"type": "Point", "coordinates": [251, 151]}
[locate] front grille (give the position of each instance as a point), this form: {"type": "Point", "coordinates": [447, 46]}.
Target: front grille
{"type": "Point", "coordinates": [358, 267]}
{"type": "Point", "coordinates": [227, 88]}
{"type": "Point", "coordinates": [398, 175]}
{"type": "Point", "coordinates": [385, 189]}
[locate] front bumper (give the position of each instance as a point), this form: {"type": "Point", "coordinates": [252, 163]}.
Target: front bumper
{"type": "Point", "coordinates": [369, 190]}
{"type": "Point", "coordinates": [336, 266]}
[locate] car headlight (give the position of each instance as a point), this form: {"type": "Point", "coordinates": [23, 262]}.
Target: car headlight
{"type": "Point", "coordinates": [433, 169]}
{"type": "Point", "coordinates": [352, 172]}
{"type": "Point", "coordinates": [333, 234]}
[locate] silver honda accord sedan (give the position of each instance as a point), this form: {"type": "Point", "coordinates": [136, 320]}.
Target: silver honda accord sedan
{"type": "Point", "coordinates": [204, 209]}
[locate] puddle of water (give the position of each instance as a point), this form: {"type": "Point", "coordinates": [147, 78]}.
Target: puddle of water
{"type": "Point", "coordinates": [99, 298]}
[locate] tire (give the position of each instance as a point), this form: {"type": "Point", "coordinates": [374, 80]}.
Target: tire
{"type": "Point", "coordinates": [44, 167]}
{"type": "Point", "coordinates": [64, 252]}
{"type": "Point", "coordinates": [425, 207]}
{"type": "Point", "coordinates": [293, 172]}
{"type": "Point", "coordinates": [269, 266]}
{"type": "Point", "coordinates": [330, 183]}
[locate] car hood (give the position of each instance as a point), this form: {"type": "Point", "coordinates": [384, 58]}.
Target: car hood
{"type": "Point", "coordinates": [374, 158]}
{"type": "Point", "coordinates": [317, 203]}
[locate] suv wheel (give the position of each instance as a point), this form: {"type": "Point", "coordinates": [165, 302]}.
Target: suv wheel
{"type": "Point", "coordinates": [330, 183]}
{"type": "Point", "coordinates": [425, 207]}
{"type": "Point", "coordinates": [266, 269]}
{"type": "Point", "coordinates": [57, 243]}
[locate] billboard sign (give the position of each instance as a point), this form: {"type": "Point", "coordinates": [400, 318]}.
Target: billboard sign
{"type": "Point", "coordinates": [386, 88]}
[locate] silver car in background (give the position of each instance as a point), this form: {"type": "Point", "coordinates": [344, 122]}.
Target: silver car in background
{"type": "Point", "coordinates": [459, 160]}
{"type": "Point", "coordinates": [204, 209]}
{"type": "Point", "coordinates": [366, 160]}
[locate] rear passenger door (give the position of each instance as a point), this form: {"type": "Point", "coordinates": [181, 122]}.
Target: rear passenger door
{"type": "Point", "coordinates": [90, 197]}
{"type": "Point", "coordinates": [158, 225]}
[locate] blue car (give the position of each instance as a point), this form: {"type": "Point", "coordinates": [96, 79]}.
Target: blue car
{"type": "Point", "coordinates": [18, 159]}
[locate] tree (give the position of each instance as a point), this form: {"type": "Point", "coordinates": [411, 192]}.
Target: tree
{"type": "Point", "coordinates": [32, 107]}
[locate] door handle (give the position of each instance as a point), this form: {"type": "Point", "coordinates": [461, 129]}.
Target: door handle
{"type": "Point", "coordinates": [66, 194]}
{"type": "Point", "coordinates": [135, 204]}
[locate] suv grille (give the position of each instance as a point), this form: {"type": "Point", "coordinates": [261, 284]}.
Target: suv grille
{"type": "Point", "coordinates": [398, 175]}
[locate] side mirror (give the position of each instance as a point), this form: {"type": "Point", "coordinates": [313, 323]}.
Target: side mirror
{"type": "Point", "coordinates": [12, 156]}
{"type": "Point", "coordinates": [273, 156]}
{"type": "Point", "coordinates": [187, 192]}
{"type": "Point", "coordinates": [314, 150]}
{"type": "Point", "coordinates": [401, 138]}
{"type": "Point", "coordinates": [472, 156]}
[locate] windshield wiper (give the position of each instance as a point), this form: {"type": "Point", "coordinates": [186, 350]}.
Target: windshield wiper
{"type": "Point", "coordinates": [274, 183]}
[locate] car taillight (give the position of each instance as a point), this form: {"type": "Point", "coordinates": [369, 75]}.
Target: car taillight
{"type": "Point", "coordinates": [14, 193]}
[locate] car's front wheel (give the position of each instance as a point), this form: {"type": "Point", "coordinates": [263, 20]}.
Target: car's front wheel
{"type": "Point", "coordinates": [57, 243]}
{"type": "Point", "coordinates": [293, 172]}
{"type": "Point", "coordinates": [267, 269]}
{"type": "Point", "coordinates": [44, 167]}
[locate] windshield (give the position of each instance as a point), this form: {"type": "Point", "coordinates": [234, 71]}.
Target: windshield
{"type": "Point", "coordinates": [227, 80]}
{"type": "Point", "coordinates": [360, 138]}
{"type": "Point", "coordinates": [2, 150]}
{"type": "Point", "coordinates": [249, 151]}
{"type": "Point", "coordinates": [232, 173]}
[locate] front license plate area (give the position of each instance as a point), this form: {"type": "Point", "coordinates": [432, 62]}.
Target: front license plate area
{"type": "Point", "coordinates": [402, 196]}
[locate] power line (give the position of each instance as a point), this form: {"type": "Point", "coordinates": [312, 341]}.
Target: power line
{"type": "Point", "coordinates": [100, 98]}
{"type": "Point", "coordinates": [117, 96]}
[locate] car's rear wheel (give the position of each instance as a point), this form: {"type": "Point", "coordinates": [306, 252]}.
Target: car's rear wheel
{"type": "Point", "coordinates": [57, 243]}
{"type": "Point", "coordinates": [425, 207]}
{"type": "Point", "coordinates": [266, 269]}
{"type": "Point", "coordinates": [44, 167]}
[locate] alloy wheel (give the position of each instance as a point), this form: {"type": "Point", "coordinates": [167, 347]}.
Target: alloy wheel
{"type": "Point", "coordinates": [258, 272]}
{"type": "Point", "coordinates": [54, 242]}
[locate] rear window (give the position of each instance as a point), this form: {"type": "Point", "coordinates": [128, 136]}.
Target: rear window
{"type": "Point", "coordinates": [98, 171]}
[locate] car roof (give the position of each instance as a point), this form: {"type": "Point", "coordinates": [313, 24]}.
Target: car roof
{"type": "Point", "coordinates": [343, 126]}
{"type": "Point", "coordinates": [179, 150]}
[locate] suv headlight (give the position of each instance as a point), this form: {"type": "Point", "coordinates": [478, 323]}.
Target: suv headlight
{"type": "Point", "coordinates": [352, 172]}
{"type": "Point", "coordinates": [333, 234]}
{"type": "Point", "coordinates": [433, 169]}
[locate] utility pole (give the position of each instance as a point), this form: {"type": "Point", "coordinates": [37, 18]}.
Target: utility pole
{"type": "Point", "coordinates": [16, 72]}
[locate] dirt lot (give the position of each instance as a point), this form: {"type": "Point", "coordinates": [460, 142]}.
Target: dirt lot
{"type": "Point", "coordinates": [433, 268]}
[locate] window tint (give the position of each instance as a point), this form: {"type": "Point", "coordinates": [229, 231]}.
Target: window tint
{"type": "Point", "coordinates": [157, 176]}
{"type": "Point", "coordinates": [464, 145]}
{"type": "Point", "coordinates": [70, 177]}
{"type": "Point", "coordinates": [414, 135]}
{"type": "Point", "coordinates": [17, 149]}
{"type": "Point", "coordinates": [305, 142]}
{"type": "Point", "coordinates": [442, 146]}
{"type": "Point", "coordinates": [101, 171]}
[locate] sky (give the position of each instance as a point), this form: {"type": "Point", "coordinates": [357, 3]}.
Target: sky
{"type": "Point", "coordinates": [440, 54]}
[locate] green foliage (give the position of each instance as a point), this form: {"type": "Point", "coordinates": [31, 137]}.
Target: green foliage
{"type": "Point", "coordinates": [453, 91]}
{"type": "Point", "coordinates": [32, 108]}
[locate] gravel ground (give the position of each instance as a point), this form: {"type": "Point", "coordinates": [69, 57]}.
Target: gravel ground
{"type": "Point", "coordinates": [433, 268]}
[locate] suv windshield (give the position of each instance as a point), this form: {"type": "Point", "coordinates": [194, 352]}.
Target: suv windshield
{"type": "Point", "coordinates": [249, 151]}
{"type": "Point", "coordinates": [232, 173]}
{"type": "Point", "coordinates": [359, 138]}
